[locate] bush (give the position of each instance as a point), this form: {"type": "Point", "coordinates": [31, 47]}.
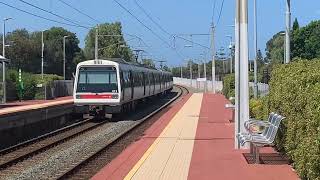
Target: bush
{"type": "Point", "coordinates": [295, 94]}
{"type": "Point", "coordinates": [228, 86]}
{"type": "Point", "coordinates": [259, 108]}
{"type": "Point", "coordinates": [30, 81]}
{"type": "Point", "coordinates": [47, 81]}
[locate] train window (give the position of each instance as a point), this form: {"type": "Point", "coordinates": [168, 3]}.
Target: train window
{"type": "Point", "coordinates": [113, 78]}
{"type": "Point", "coordinates": [97, 80]}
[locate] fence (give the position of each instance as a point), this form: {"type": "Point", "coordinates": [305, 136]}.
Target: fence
{"type": "Point", "coordinates": [196, 84]}
{"type": "Point", "coordinates": [263, 89]}
{"type": "Point", "coordinates": [63, 88]}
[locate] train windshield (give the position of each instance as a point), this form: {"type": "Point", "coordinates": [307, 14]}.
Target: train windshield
{"type": "Point", "coordinates": [97, 80]}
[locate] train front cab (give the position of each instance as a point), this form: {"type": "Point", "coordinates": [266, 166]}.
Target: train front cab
{"type": "Point", "coordinates": [97, 87]}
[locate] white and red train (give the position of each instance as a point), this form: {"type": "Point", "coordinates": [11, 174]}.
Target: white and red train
{"type": "Point", "coordinates": [115, 86]}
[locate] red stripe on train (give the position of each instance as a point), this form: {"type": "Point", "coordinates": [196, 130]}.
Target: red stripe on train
{"type": "Point", "coordinates": [94, 96]}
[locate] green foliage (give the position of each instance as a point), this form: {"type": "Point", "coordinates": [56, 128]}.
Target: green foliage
{"type": "Point", "coordinates": [295, 25]}
{"type": "Point", "coordinates": [109, 46]}
{"type": "Point", "coordinates": [229, 86]}
{"type": "Point", "coordinates": [295, 93]}
{"type": "Point", "coordinates": [305, 41]}
{"type": "Point", "coordinates": [25, 52]}
{"type": "Point", "coordinates": [47, 78]}
{"type": "Point", "coordinates": [259, 108]}
{"type": "Point", "coordinates": [148, 63]}
{"type": "Point", "coordinates": [275, 48]}
{"type": "Point", "coordinates": [260, 60]}
{"type": "Point", "coordinates": [30, 81]}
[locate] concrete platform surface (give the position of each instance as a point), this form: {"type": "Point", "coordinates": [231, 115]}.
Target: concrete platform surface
{"type": "Point", "coordinates": [193, 140]}
{"type": "Point", "coordinates": [14, 107]}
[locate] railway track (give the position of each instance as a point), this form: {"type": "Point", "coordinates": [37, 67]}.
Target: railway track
{"type": "Point", "coordinates": [19, 156]}
{"type": "Point", "coordinates": [34, 146]}
{"type": "Point", "coordinates": [86, 168]}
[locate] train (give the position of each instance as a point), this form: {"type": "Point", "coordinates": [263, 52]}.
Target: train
{"type": "Point", "coordinates": [115, 86]}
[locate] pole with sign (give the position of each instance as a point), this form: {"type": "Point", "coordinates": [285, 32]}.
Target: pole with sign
{"type": "Point", "coordinates": [21, 88]}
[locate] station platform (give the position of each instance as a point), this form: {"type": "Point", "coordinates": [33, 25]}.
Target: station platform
{"type": "Point", "coordinates": [14, 107]}
{"type": "Point", "coordinates": [193, 140]}
{"type": "Point", "coordinates": [21, 121]}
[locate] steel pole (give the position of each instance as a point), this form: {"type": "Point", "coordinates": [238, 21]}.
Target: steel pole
{"type": "Point", "coordinates": [213, 66]}
{"type": "Point", "coordinates": [4, 99]}
{"type": "Point", "coordinates": [181, 72]}
{"type": "Point", "coordinates": [242, 57]}
{"type": "Point", "coordinates": [199, 74]}
{"type": "Point", "coordinates": [237, 73]}
{"type": "Point", "coordinates": [190, 73]}
{"type": "Point", "coordinates": [96, 44]}
{"type": "Point", "coordinates": [231, 59]}
{"type": "Point", "coordinates": [288, 27]}
{"type": "Point", "coordinates": [205, 75]}
{"type": "Point", "coordinates": [231, 53]}
{"type": "Point", "coordinates": [64, 57]}
{"type": "Point", "coordinates": [255, 86]}
{"type": "Point", "coordinates": [42, 49]}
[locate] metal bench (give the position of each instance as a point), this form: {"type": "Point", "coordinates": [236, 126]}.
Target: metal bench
{"type": "Point", "coordinates": [266, 137]}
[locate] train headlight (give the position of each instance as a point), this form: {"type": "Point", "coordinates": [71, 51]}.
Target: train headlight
{"type": "Point", "coordinates": [115, 96]}
{"type": "Point", "coordinates": [78, 97]}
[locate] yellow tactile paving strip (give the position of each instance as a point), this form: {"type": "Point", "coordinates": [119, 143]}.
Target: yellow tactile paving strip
{"type": "Point", "coordinates": [170, 155]}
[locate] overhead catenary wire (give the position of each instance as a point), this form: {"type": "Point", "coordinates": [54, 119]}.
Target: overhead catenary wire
{"type": "Point", "coordinates": [221, 9]}
{"type": "Point", "coordinates": [52, 13]}
{"type": "Point", "coordinates": [79, 11]}
{"type": "Point", "coordinates": [41, 17]}
{"type": "Point", "coordinates": [150, 17]}
{"type": "Point", "coordinates": [147, 27]}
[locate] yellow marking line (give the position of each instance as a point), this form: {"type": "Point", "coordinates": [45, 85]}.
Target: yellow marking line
{"type": "Point", "coordinates": [174, 121]}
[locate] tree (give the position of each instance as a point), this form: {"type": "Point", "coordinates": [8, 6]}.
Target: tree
{"type": "Point", "coordinates": [148, 63]}
{"type": "Point", "coordinates": [260, 60]}
{"type": "Point", "coordinates": [305, 41]}
{"type": "Point", "coordinates": [295, 25]}
{"type": "Point", "coordinates": [53, 41]}
{"type": "Point", "coordinates": [275, 49]}
{"type": "Point", "coordinates": [23, 51]}
{"type": "Point", "coordinates": [79, 57]}
{"type": "Point", "coordinates": [166, 68]}
{"type": "Point", "coordinates": [109, 46]}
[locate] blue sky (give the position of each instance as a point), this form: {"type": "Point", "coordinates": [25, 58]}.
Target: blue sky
{"type": "Point", "coordinates": [175, 16]}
